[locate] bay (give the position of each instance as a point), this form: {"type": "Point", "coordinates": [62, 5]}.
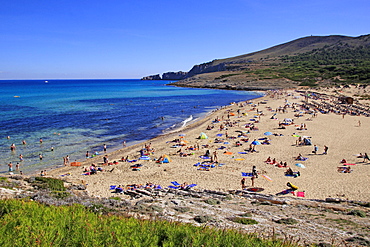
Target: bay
{"type": "Point", "coordinates": [75, 116]}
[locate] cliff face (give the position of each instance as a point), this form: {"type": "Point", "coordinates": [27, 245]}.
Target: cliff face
{"type": "Point", "coordinates": [206, 68]}
{"type": "Point", "coordinates": [197, 69]}
{"type": "Point", "coordinates": [174, 75]}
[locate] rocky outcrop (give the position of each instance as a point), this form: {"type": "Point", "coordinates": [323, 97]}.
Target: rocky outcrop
{"type": "Point", "coordinates": [174, 75]}
{"type": "Point", "coordinates": [152, 77]}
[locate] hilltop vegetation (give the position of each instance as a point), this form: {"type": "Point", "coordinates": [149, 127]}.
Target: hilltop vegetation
{"type": "Point", "coordinates": [310, 61]}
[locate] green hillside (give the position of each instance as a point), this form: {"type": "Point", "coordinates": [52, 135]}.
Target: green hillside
{"type": "Point", "coordinates": [311, 61]}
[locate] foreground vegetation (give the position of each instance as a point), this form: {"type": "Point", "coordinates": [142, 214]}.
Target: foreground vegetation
{"type": "Point", "coordinates": [27, 223]}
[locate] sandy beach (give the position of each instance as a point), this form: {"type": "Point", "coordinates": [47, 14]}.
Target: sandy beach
{"type": "Point", "coordinates": [346, 136]}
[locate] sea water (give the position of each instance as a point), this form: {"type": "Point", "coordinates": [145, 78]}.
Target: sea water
{"type": "Point", "coordinates": [75, 116]}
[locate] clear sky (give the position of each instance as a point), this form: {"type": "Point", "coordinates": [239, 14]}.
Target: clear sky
{"type": "Point", "coordinates": [104, 39]}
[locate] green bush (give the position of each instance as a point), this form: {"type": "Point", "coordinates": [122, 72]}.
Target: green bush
{"type": "Point", "coordinates": [356, 212]}
{"type": "Point", "coordinates": [182, 209]}
{"type": "Point", "coordinates": [212, 201]}
{"type": "Point", "coordinates": [202, 218]}
{"type": "Point", "coordinates": [49, 183]}
{"type": "Point", "coordinates": [244, 221]}
{"type": "Point", "coordinates": [287, 221]}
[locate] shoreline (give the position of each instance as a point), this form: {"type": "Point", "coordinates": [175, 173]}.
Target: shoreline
{"type": "Point", "coordinates": [174, 133]}
{"type": "Point", "coordinates": [319, 180]}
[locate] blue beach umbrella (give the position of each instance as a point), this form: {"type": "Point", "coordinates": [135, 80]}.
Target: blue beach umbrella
{"type": "Point", "coordinates": [267, 133]}
{"type": "Point", "coordinates": [255, 143]}
{"type": "Point", "coordinates": [300, 165]}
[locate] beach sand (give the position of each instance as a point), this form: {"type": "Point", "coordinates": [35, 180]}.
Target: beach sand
{"type": "Point", "coordinates": [319, 180]}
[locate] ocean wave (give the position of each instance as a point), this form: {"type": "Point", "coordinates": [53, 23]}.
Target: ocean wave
{"type": "Point", "coordinates": [187, 120]}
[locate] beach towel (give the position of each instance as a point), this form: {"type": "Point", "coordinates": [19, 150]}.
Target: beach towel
{"type": "Point", "coordinates": [204, 157]}
{"type": "Point", "coordinates": [295, 174]}
{"type": "Point", "coordinates": [303, 159]}
{"type": "Point", "coordinates": [175, 183]}
{"type": "Point", "coordinates": [242, 152]}
{"type": "Point", "coordinates": [219, 135]}
{"type": "Point", "coordinates": [266, 177]}
{"type": "Point", "coordinates": [203, 169]}
{"type": "Point", "coordinates": [239, 159]}
{"type": "Point", "coordinates": [255, 189]}
{"type": "Point", "coordinates": [174, 187]}
{"type": "Point", "coordinates": [228, 153]}
{"type": "Point", "coordinates": [300, 194]}
{"type": "Point", "coordinates": [144, 158]}
{"type": "Point", "coordinates": [112, 187]}
{"type": "Point", "coordinates": [190, 186]}
{"type": "Point", "coordinates": [247, 174]}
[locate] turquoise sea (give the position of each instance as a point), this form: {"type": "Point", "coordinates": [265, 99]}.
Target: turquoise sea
{"type": "Point", "coordinates": [75, 116]}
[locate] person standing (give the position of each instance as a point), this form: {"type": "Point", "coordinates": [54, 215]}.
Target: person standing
{"type": "Point", "coordinates": [366, 157]}
{"type": "Point", "coordinates": [254, 175]}
{"type": "Point", "coordinates": [10, 165]}
{"type": "Point", "coordinates": [325, 150]}
{"type": "Point", "coordinates": [315, 149]}
{"type": "Point", "coordinates": [105, 148]}
{"type": "Point", "coordinates": [242, 182]}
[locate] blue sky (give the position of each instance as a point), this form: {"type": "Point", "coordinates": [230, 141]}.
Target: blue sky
{"type": "Point", "coordinates": [73, 39]}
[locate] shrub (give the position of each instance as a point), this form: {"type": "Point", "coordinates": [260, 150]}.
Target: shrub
{"type": "Point", "coordinates": [182, 209]}
{"type": "Point", "coordinates": [359, 213]}
{"type": "Point", "coordinates": [287, 221]}
{"type": "Point", "coordinates": [202, 218]}
{"type": "Point", "coordinates": [60, 194]}
{"type": "Point", "coordinates": [212, 201]}
{"type": "Point", "coordinates": [49, 183]}
{"type": "Point", "coordinates": [244, 221]}
{"type": "Point", "coordinates": [246, 215]}
{"type": "Point", "coordinates": [115, 198]}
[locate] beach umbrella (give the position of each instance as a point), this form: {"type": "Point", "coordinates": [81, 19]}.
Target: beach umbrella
{"type": "Point", "coordinates": [255, 143]}
{"type": "Point", "coordinates": [267, 133]}
{"type": "Point", "coordinates": [300, 165]}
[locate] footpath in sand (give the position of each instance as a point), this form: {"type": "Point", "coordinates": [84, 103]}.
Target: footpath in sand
{"type": "Point", "coordinates": [231, 136]}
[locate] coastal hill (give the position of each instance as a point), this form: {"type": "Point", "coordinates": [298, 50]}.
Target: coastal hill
{"type": "Point", "coordinates": [309, 61]}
